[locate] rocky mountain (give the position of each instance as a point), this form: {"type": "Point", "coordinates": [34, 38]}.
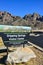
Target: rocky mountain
{"type": "Point", "coordinates": [7, 18]}
{"type": "Point", "coordinates": [34, 20]}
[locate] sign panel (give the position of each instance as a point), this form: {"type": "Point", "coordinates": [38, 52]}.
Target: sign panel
{"type": "Point", "coordinates": [14, 37]}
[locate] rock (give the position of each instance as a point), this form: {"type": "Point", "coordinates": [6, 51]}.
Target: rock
{"type": "Point", "coordinates": [20, 55]}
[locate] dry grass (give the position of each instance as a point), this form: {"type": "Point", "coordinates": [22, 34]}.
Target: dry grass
{"type": "Point", "coordinates": [1, 42]}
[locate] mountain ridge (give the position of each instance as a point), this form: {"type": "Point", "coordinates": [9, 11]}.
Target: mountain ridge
{"type": "Point", "coordinates": [34, 20]}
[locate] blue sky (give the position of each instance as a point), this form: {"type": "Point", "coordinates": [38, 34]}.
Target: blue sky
{"type": "Point", "coordinates": [22, 7]}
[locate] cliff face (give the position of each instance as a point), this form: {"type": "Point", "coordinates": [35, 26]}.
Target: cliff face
{"type": "Point", "coordinates": [34, 20]}
{"type": "Point", "coordinates": [7, 18]}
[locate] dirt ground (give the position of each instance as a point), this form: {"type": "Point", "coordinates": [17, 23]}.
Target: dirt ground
{"type": "Point", "coordinates": [37, 61]}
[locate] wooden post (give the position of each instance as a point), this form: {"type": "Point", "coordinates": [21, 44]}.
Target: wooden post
{"type": "Point", "coordinates": [7, 50]}
{"type": "Point", "coordinates": [23, 45]}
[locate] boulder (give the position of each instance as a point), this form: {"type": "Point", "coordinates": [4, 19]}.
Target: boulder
{"type": "Point", "coordinates": [20, 55]}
